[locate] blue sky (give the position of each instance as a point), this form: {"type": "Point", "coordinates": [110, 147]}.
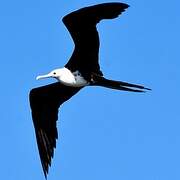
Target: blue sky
{"type": "Point", "coordinates": [103, 134]}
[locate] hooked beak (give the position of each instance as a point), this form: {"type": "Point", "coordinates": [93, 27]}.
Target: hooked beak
{"type": "Point", "coordinates": [43, 76]}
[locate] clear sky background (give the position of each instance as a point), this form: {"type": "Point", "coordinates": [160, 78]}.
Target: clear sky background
{"type": "Point", "coordinates": [103, 134]}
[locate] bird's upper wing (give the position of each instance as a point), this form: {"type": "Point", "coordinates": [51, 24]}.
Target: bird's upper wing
{"type": "Point", "coordinates": [44, 102]}
{"type": "Point", "coordinates": [82, 27]}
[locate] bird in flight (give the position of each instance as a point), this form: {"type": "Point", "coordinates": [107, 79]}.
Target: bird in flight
{"type": "Point", "coordinates": [81, 70]}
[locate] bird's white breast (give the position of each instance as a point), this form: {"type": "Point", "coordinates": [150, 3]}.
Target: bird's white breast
{"type": "Point", "coordinates": [72, 79]}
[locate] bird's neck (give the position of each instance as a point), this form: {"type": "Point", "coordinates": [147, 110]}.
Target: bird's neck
{"type": "Point", "coordinates": [73, 79]}
{"type": "Point", "coordinates": [66, 77]}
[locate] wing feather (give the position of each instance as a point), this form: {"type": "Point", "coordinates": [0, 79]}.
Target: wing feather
{"type": "Point", "coordinates": [81, 24]}
{"type": "Point", "coordinates": [44, 102]}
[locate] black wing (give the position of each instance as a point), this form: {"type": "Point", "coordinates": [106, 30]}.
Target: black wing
{"type": "Point", "coordinates": [44, 102]}
{"type": "Point", "coordinates": [82, 27]}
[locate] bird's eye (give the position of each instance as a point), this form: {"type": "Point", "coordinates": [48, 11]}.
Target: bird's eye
{"type": "Point", "coordinates": [54, 73]}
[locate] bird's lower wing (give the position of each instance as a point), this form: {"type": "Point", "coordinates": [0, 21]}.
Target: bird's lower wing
{"type": "Point", "coordinates": [44, 102]}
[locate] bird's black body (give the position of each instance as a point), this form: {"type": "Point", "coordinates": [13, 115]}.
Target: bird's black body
{"type": "Point", "coordinates": [45, 101]}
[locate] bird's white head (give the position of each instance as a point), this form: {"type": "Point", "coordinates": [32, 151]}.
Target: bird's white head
{"type": "Point", "coordinates": [57, 73]}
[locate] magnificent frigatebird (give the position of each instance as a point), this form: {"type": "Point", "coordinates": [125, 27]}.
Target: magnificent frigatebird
{"type": "Point", "coordinates": [81, 70]}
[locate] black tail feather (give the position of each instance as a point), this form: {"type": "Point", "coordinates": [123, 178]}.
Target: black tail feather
{"type": "Point", "coordinates": [118, 85]}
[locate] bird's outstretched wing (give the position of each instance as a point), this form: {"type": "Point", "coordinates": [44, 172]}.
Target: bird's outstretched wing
{"type": "Point", "coordinates": [44, 102]}
{"type": "Point", "coordinates": [82, 27]}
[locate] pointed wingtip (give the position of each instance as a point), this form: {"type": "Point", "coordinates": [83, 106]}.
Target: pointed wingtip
{"type": "Point", "coordinates": [45, 171]}
{"type": "Point", "coordinates": [45, 176]}
{"type": "Point", "coordinates": [126, 5]}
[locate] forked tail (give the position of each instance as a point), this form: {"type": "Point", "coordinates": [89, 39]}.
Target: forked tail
{"type": "Point", "coordinates": [119, 85]}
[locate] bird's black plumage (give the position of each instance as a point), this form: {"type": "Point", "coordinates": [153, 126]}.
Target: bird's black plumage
{"type": "Point", "coordinates": [82, 27]}
{"type": "Point", "coordinates": [45, 101]}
